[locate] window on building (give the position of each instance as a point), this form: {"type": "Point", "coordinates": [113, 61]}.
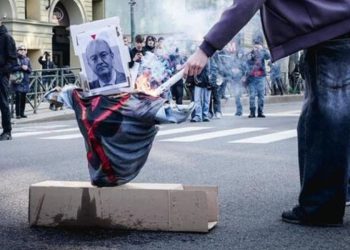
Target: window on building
{"type": "Point", "coordinates": [31, 10]}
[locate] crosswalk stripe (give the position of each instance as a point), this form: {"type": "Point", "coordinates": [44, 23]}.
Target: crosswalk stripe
{"type": "Point", "coordinates": [291, 113]}
{"type": "Point", "coordinates": [24, 134]}
{"type": "Point", "coordinates": [211, 135]}
{"type": "Point", "coordinates": [180, 130]}
{"type": "Point", "coordinates": [62, 137]}
{"type": "Point", "coordinates": [269, 137]}
{"type": "Point", "coordinates": [41, 127]}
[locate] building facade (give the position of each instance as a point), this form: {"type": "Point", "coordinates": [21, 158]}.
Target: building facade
{"type": "Point", "coordinates": [43, 25]}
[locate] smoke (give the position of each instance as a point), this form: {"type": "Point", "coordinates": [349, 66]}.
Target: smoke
{"type": "Point", "coordinates": [183, 26]}
{"type": "Point", "coordinates": [192, 22]}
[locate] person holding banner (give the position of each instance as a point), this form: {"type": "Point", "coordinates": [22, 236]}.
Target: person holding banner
{"type": "Point", "coordinates": [323, 29]}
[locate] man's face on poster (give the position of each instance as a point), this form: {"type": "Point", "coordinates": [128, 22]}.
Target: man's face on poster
{"type": "Point", "coordinates": [100, 57]}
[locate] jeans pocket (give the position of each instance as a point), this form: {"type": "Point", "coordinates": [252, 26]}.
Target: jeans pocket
{"type": "Point", "coordinates": [333, 67]}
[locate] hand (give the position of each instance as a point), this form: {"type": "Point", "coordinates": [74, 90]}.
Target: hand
{"type": "Point", "coordinates": [137, 57]}
{"type": "Point", "coordinates": [24, 67]}
{"type": "Point", "coordinates": [195, 64]}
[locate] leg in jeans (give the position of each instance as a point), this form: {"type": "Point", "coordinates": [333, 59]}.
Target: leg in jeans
{"type": "Point", "coordinates": [324, 133]}
{"type": "Point", "coordinates": [252, 86]}
{"type": "Point", "coordinates": [23, 103]}
{"type": "Point", "coordinates": [18, 104]}
{"type": "Point", "coordinates": [180, 93]}
{"type": "Point", "coordinates": [216, 100]}
{"type": "Point", "coordinates": [4, 105]}
{"type": "Point", "coordinates": [198, 103]}
{"type": "Point", "coordinates": [238, 92]}
{"type": "Point", "coordinates": [260, 85]}
{"type": "Point", "coordinates": [206, 94]}
{"type": "Point", "coordinates": [279, 85]}
{"type": "Point", "coordinates": [222, 88]}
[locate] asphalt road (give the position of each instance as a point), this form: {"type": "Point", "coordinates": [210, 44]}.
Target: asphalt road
{"type": "Point", "coordinates": [257, 181]}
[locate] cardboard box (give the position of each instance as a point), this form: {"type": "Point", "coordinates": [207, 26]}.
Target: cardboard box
{"type": "Point", "coordinates": [136, 206]}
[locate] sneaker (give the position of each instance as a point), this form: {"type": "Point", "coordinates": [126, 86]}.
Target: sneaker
{"type": "Point", "coordinates": [195, 120]}
{"type": "Point", "coordinates": [206, 119]}
{"type": "Point", "coordinates": [6, 136]}
{"type": "Point", "coordinates": [292, 217]}
{"type": "Point", "coordinates": [218, 115]}
{"type": "Point", "coordinates": [238, 114]}
{"type": "Point", "coordinates": [24, 116]}
{"type": "Point", "coordinates": [18, 117]}
{"type": "Point", "coordinates": [252, 115]}
{"type": "Point", "coordinates": [261, 115]}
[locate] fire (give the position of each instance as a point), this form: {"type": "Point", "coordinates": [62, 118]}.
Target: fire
{"type": "Point", "coordinates": [143, 84]}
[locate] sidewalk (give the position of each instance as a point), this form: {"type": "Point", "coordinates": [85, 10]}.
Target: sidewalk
{"type": "Point", "coordinates": [44, 114]}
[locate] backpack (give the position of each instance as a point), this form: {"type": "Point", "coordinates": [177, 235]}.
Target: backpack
{"type": "Point", "coordinates": [17, 76]}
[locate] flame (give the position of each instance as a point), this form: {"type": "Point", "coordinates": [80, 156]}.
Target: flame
{"type": "Point", "coordinates": [143, 84]}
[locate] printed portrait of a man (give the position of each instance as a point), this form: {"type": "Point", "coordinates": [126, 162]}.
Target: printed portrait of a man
{"type": "Point", "coordinates": [100, 56]}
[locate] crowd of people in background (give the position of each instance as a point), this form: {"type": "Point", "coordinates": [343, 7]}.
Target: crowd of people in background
{"type": "Point", "coordinates": [240, 71]}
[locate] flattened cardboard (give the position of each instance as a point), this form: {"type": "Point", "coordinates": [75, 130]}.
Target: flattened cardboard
{"type": "Point", "coordinates": [136, 206]}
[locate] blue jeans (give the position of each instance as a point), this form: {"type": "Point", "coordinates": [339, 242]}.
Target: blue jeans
{"type": "Point", "coordinates": [215, 101]}
{"type": "Point", "coordinates": [324, 132]}
{"type": "Point", "coordinates": [201, 100]}
{"type": "Point", "coordinates": [256, 86]}
{"type": "Point", "coordinates": [237, 91]}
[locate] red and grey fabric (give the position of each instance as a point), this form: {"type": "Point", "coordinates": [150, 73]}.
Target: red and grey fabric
{"type": "Point", "coordinates": [119, 131]}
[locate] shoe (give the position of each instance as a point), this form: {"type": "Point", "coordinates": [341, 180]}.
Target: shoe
{"type": "Point", "coordinates": [238, 114]}
{"type": "Point", "coordinates": [218, 115]}
{"type": "Point", "coordinates": [206, 119]}
{"type": "Point", "coordinates": [293, 218]}
{"type": "Point", "coordinates": [24, 116]}
{"type": "Point", "coordinates": [6, 136]}
{"type": "Point", "coordinates": [261, 115]}
{"type": "Point", "coordinates": [252, 115]}
{"type": "Point", "coordinates": [18, 117]}
{"type": "Point", "coordinates": [195, 120]}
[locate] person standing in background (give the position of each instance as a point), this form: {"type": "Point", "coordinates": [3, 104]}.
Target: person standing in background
{"type": "Point", "coordinates": [8, 59]}
{"type": "Point", "coordinates": [256, 77]}
{"type": "Point", "coordinates": [22, 88]}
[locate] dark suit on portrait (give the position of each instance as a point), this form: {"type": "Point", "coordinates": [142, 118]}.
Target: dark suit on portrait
{"type": "Point", "coordinates": [120, 78]}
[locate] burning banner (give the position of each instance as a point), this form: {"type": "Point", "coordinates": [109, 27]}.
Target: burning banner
{"type": "Point", "coordinates": [119, 131]}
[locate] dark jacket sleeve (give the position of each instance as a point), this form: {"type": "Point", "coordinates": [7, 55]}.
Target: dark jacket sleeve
{"type": "Point", "coordinates": [18, 66]}
{"type": "Point", "coordinates": [231, 22]}
{"type": "Point", "coordinates": [11, 54]}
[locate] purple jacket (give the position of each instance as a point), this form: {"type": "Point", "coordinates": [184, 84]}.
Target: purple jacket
{"type": "Point", "coordinates": [289, 25]}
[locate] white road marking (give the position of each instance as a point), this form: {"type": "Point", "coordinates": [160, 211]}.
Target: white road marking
{"type": "Point", "coordinates": [211, 135]}
{"type": "Point", "coordinates": [63, 137]}
{"type": "Point", "coordinates": [180, 130]}
{"type": "Point", "coordinates": [274, 137]}
{"type": "Point", "coordinates": [24, 134]}
{"type": "Point", "coordinates": [35, 128]}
